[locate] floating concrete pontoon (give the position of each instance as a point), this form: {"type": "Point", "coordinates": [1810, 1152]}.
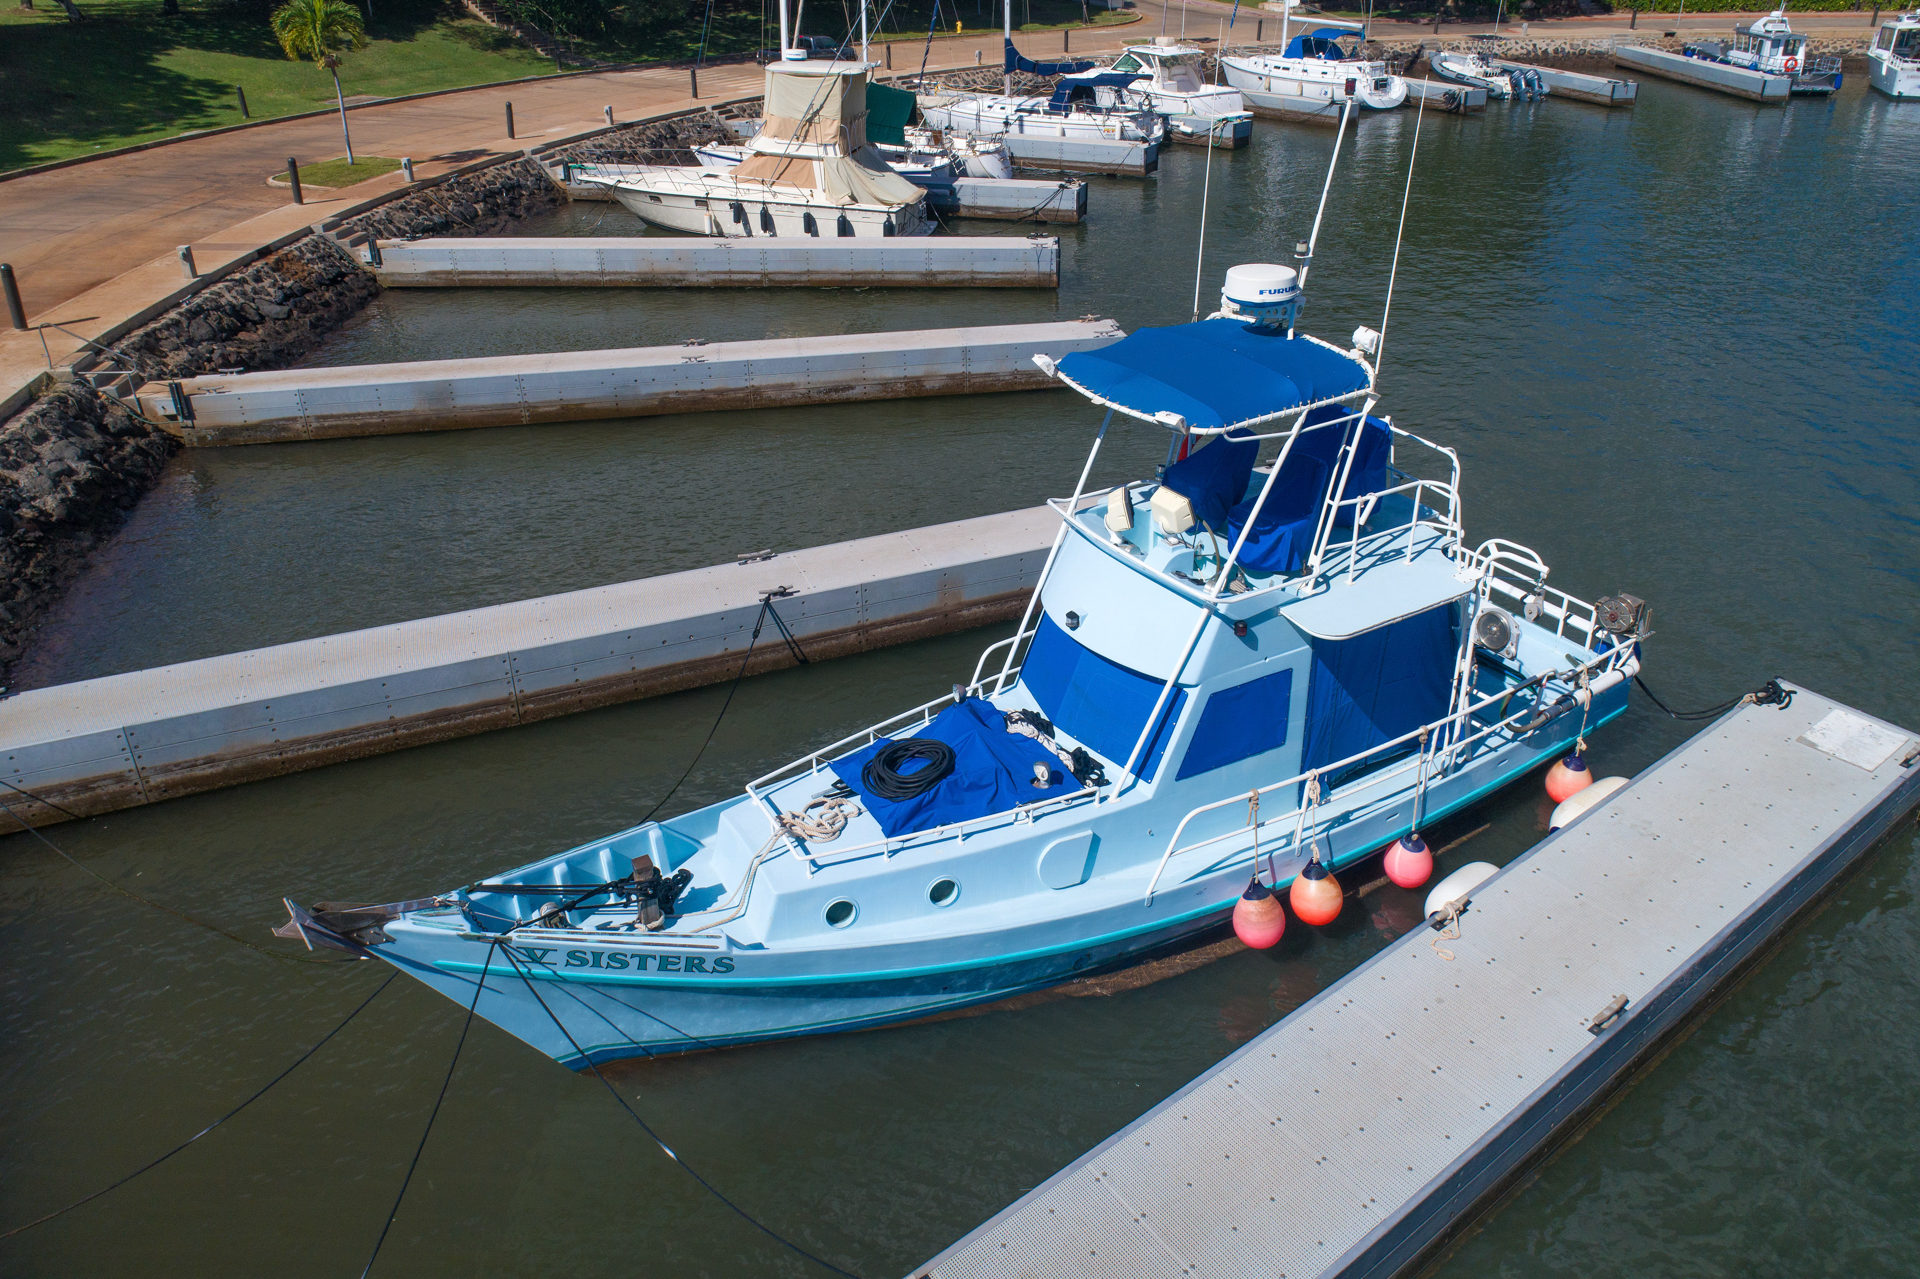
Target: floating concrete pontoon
{"type": "Point", "coordinates": [1443, 96]}
{"type": "Point", "coordinates": [1048, 153]}
{"type": "Point", "coordinates": [131, 739]}
{"type": "Point", "coordinates": [1603, 90]}
{"type": "Point", "coordinates": [1366, 1128]}
{"type": "Point", "coordinates": [444, 395]}
{"type": "Point", "coordinates": [1740, 81]}
{"type": "Point", "coordinates": [658, 261]}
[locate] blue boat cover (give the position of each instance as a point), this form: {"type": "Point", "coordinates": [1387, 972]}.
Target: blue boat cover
{"type": "Point", "coordinates": [1069, 93]}
{"type": "Point", "coordinates": [1015, 62]}
{"type": "Point", "coordinates": [992, 772]}
{"type": "Point", "coordinates": [1238, 723]}
{"type": "Point", "coordinates": [1284, 531]}
{"type": "Point", "coordinates": [1215, 477]}
{"type": "Point", "coordinates": [1215, 374]}
{"type": "Point", "coordinates": [1101, 704]}
{"type": "Point", "coordinates": [1376, 686]}
{"type": "Point", "coordinates": [1320, 44]}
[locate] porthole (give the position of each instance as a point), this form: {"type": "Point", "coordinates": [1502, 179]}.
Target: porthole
{"type": "Point", "coordinates": [943, 892]}
{"type": "Point", "coordinates": [840, 913]}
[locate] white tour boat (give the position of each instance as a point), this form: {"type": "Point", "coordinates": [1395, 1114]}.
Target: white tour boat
{"type": "Point", "coordinates": [809, 170]}
{"type": "Point", "coordinates": [1773, 47]}
{"type": "Point", "coordinates": [1893, 63]}
{"type": "Point", "coordinates": [1315, 75]}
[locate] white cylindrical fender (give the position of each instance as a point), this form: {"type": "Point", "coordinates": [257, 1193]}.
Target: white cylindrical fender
{"type": "Point", "coordinates": [1459, 884]}
{"type": "Point", "coordinates": [1581, 801]}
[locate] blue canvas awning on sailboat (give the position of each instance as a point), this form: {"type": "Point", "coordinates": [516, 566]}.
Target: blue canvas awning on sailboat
{"type": "Point", "coordinates": [1214, 374]}
{"type": "Point", "coordinates": [1016, 61]}
{"type": "Point", "coordinates": [1319, 44]}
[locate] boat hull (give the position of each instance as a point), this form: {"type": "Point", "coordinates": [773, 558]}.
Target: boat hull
{"type": "Point", "coordinates": [1269, 90]}
{"type": "Point", "coordinates": [588, 997]}
{"type": "Point", "coordinates": [1898, 82]}
{"type": "Point", "coordinates": [716, 216]}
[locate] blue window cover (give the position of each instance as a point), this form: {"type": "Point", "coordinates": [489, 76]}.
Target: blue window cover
{"type": "Point", "coordinates": [1238, 723]}
{"type": "Point", "coordinates": [1215, 374]}
{"type": "Point", "coordinates": [1376, 686]}
{"type": "Point", "coordinates": [1215, 477]}
{"type": "Point", "coordinates": [1099, 703]}
{"type": "Point", "coordinates": [992, 772]}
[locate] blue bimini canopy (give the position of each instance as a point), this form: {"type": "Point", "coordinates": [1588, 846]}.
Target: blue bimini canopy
{"type": "Point", "coordinates": [1017, 62]}
{"type": "Point", "coordinates": [1080, 89]}
{"type": "Point", "coordinates": [1320, 44]}
{"type": "Point", "coordinates": [1214, 374]}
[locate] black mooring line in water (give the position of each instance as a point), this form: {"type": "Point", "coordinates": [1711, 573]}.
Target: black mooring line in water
{"type": "Point", "coordinates": [706, 1185]}
{"type": "Point", "coordinates": [38, 1221]}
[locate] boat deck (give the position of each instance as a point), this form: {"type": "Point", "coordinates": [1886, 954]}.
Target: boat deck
{"type": "Point", "coordinates": [1355, 1135]}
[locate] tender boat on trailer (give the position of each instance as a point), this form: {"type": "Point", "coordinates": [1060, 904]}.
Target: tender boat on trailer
{"type": "Point", "coordinates": [1773, 47]}
{"type": "Point", "coordinates": [808, 171]}
{"type": "Point", "coordinates": [1316, 74]}
{"type": "Point", "coordinates": [1893, 63]}
{"type": "Point", "coordinates": [1227, 671]}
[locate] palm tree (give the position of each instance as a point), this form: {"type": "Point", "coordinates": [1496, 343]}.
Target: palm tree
{"type": "Point", "coordinates": [321, 30]}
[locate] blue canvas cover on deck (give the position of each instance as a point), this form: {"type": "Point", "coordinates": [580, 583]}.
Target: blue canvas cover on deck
{"type": "Point", "coordinates": [1215, 374]}
{"type": "Point", "coordinates": [1319, 44]}
{"type": "Point", "coordinates": [1080, 91]}
{"type": "Point", "coordinates": [1214, 478]}
{"type": "Point", "coordinates": [1099, 703]}
{"type": "Point", "coordinates": [1283, 534]}
{"type": "Point", "coordinates": [1376, 686]}
{"type": "Point", "coordinates": [1016, 62]}
{"type": "Point", "coordinates": [992, 772]}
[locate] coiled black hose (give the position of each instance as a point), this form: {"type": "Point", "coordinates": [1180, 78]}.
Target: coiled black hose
{"type": "Point", "coordinates": [884, 780]}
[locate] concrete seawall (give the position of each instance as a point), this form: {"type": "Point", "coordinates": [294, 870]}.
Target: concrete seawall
{"type": "Point", "coordinates": [444, 395]}
{"type": "Point", "coordinates": [145, 736]}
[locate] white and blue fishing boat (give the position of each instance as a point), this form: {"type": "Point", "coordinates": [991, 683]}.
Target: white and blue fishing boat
{"type": "Point", "coordinates": [1227, 671]}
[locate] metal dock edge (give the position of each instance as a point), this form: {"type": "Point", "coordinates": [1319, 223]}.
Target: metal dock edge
{"type": "Point", "coordinates": [1360, 1133]}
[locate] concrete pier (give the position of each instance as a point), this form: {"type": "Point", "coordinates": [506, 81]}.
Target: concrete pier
{"type": "Point", "coordinates": [445, 395]}
{"type": "Point", "coordinates": [1364, 1131]}
{"type": "Point", "coordinates": [1603, 90]}
{"type": "Point", "coordinates": [662, 261]}
{"type": "Point", "coordinates": [1049, 153]}
{"type": "Point", "coordinates": [1739, 81]}
{"type": "Point", "coordinates": [145, 736]}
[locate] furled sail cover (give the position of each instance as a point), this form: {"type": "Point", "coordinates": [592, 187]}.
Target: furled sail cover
{"type": "Point", "coordinates": [1215, 374]}
{"type": "Point", "coordinates": [815, 137]}
{"type": "Point", "coordinates": [1320, 44]}
{"type": "Point", "coordinates": [1015, 62]}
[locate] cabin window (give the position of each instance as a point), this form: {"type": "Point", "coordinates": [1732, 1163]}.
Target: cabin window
{"type": "Point", "coordinates": [1886, 39]}
{"type": "Point", "coordinates": [1238, 723]}
{"type": "Point", "coordinates": [1127, 63]}
{"type": "Point", "coordinates": [1099, 703]}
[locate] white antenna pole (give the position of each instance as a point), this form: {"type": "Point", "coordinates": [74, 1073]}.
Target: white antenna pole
{"type": "Point", "coordinates": [1314, 239]}
{"type": "Point", "coordinates": [1006, 31]}
{"type": "Point", "coordinates": [1380, 351]}
{"type": "Point", "coordinates": [863, 32]}
{"type": "Point", "coordinates": [1366, 29]}
{"type": "Point", "coordinates": [782, 4]}
{"type": "Point", "coordinates": [1200, 261]}
{"type": "Point", "coordinates": [799, 7]}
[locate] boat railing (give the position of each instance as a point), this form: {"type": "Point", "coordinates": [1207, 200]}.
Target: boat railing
{"type": "Point", "coordinates": [1515, 573]}
{"type": "Point", "coordinates": [1819, 66]}
{"type": "Point", "coordinates": [1582, 683]}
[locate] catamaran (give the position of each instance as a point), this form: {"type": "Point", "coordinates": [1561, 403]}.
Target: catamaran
{"type": "Point", "coordinates": [1230, 674]}
{"type": "Point", "coordinates": [1315, 75]}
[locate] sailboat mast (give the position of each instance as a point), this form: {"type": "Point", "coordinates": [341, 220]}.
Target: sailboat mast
{"type": "Point", "coordinates": [863, 32]}
{"type": "Point", "coordinates": [1286, 11]}
{"type": "Point", "coordinates": [782, 6]}
{"type": "Point", "coordinates": [1006, 26]}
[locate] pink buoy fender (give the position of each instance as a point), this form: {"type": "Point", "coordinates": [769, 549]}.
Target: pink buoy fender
{"type": "Point", "coordinates": [1258, 918]}
{"type": "Point", "coordinates": [1316, 894]}
{"type": "Point", "coordinates": [1409, 863]}
{"type": "Point", "coordinates": [1568, 777]}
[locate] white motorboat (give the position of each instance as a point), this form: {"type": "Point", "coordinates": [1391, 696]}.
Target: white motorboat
{"type": "Point", "coordinates": [1893, 63]}
{"type": "Point", "coordinates": [927, 157]}
{"type": "Point", "coordinates": [1475, 70]}
{"type": "Point", "coordinates": [1316, 75]}
{"type": "Point", "coordinates": [808, 171]}
{"type": "Point", "coordinates": [972, 156]}
{"type": "Point", "coordinates": [1771, 46]}
{"type": "Point", "coordinates": [1167, 78]}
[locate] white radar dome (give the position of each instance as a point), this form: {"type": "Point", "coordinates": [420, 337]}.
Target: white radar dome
{"type": "Point", "coordinates": [1262, 291]}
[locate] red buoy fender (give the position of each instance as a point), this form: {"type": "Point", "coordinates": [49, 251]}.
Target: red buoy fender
{"type": "Point", "coordinates": [1316, 895]}
{"type": "Point", "coordinates": [1568, 777]}
{"type": "Point", "coordinates": [1258, 919]}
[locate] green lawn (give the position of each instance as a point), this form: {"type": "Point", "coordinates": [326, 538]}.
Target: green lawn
{"type": "Point", "coordinates": [129, 75]}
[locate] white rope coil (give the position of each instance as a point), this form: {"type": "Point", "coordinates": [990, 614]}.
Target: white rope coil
{"type": "Point", "coordinates": [825, 828]}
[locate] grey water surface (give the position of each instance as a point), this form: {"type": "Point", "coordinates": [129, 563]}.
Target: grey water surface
{"type": "Point", "coordinates": [1674, 347]}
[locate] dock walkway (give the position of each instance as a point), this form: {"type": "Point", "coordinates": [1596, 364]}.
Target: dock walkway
{"type": "Point", "coordinates": [1359, 1133]}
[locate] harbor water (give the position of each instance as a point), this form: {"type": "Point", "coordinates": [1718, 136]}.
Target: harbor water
{"type": "Point", "coordinates": [1674, 347]}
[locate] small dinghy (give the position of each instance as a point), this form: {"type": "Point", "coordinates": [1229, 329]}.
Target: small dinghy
{"type": "Point", "coordinates": [1229, 671]}
{"type": "Point", "coordinates": [809, 170]}
{"type": "Point", "coordinates": [1473, 69]}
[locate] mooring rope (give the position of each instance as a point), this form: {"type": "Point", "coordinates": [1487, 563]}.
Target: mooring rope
{"type": "Point", "coordinates": [665, 1149]}
{"type": "Point", "coordinates": [406, 1181]}
{"type": "Point", "coordinates": [149, 1166]}
{"type": "Point", "coordinates": [1771, 693]}
{"type": "Point", "coordinates": [34, 831]}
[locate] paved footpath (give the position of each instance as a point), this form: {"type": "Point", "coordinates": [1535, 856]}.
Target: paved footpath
{"type": "Point", "coordinates": [94, 243]}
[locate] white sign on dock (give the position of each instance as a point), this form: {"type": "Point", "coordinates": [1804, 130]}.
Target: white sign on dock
{"type": "Point", "coordinates": [1354, 1136]}
{"type": "Point", "coordinates": [445, 395]}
